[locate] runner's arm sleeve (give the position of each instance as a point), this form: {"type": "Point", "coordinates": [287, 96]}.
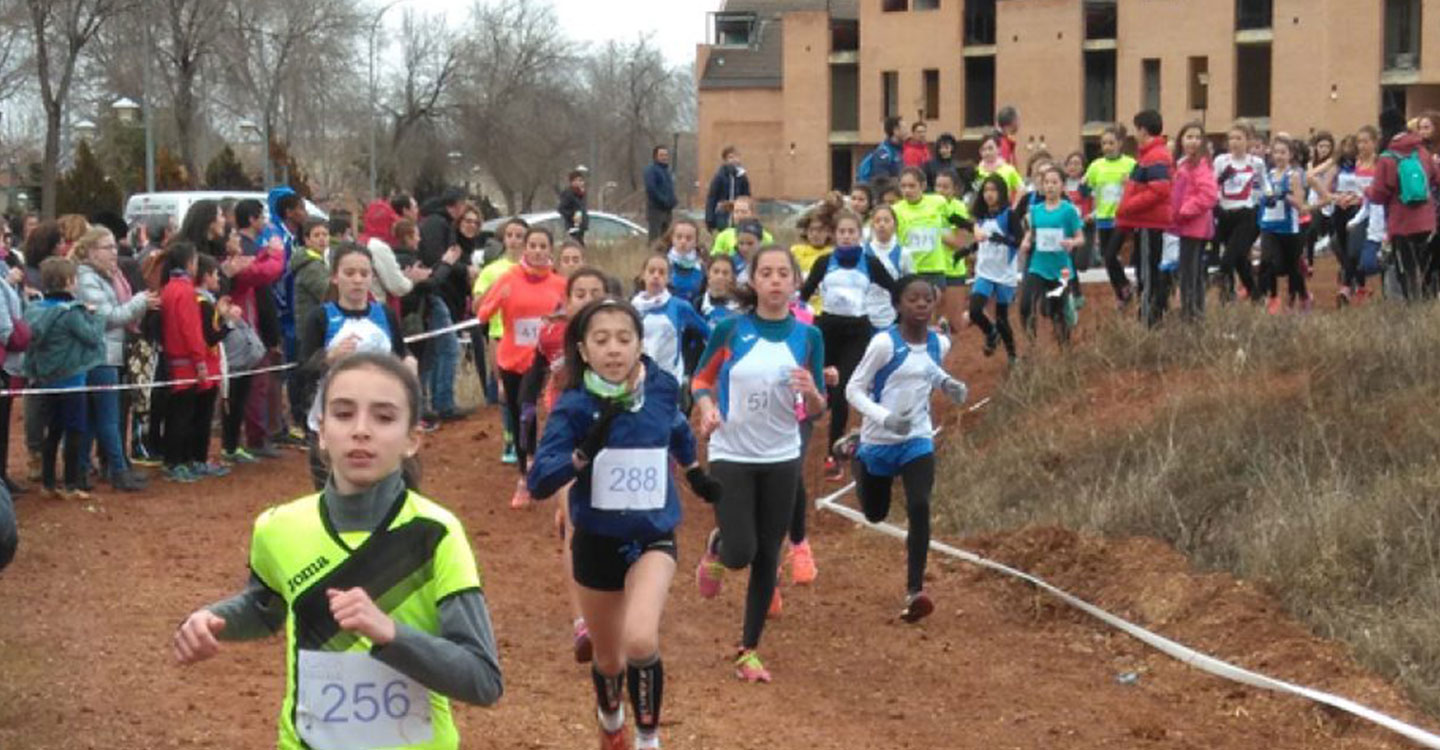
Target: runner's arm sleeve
{"type": "Point", "coordinates": [813, 279]}
{"type": "Point", "coordinates": [256, 612]}
{"type": "Point", "coordinates": [717, 350]}
{"type": "Point", "coordinates": [857, 391]}
{"type": "Point", "coordinates": [879, 275]}
{"type": "Point", "coordinates": [817, 358]}
{"type": "Point", "coordinates": [682, 440]}
{"type": "Point", "coordinates": [692, 320]}
{"type": "Point", "coordinates": [461, 662]}
{"type": "Point", "coordinates": [553, 464]}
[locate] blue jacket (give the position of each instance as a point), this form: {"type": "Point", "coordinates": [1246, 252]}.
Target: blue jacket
{"type": "Point", "coordinates": [686, 283]}
{"type": "Point", "coordinates": [658, 424]}
{"type": "Point", "coordinates": [285, 289]}
{"type": "Point", "coordinates": [729, 183]}
{"type": "Point", "coordinates": [885, 161]}
{"type": "Point", "coordinates": [659, 187]}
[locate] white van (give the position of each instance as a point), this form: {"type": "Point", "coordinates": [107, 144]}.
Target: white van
{"type": "Point", "coordinates": [145, 206]}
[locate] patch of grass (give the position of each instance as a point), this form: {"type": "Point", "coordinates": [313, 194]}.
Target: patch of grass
{"type": "Point", "coordinates": [1296, 451]}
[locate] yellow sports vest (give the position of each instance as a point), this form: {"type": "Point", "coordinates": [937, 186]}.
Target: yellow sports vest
{"type": "Point", "coordinates": [421, 558]}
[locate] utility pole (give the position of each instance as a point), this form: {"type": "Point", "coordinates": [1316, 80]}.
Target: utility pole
{"type": "Point", "coordinates": [148, 113]}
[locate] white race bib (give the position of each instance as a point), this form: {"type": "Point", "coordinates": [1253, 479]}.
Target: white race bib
{"type": "Point", "coordinates": [527, 331]}
{"type": "Point", "coordinates": [351, 701]}
{"type": "Point", "coordinates": [1346, 183]}
{"type": "Point", "coordinates": [922, 239]}
{"type": "Point", "coordinates": [845, 300]}
{"type": "Point", "coordinates": [629, 479]}
{"type": "Point", "coordinates": [1238, 182]}
{"type": "Point", "coordinates": [1275, 212]}
{"type": "Point", "coordinates": [1112, 193]}
{"type": "Point", "coordinates": [1048, 240]}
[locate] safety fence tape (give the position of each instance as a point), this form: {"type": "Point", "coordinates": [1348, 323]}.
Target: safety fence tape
{"type": "Point", "coordinates": [1170, 648]}
{"type": "Point", "coordinates": [471, 323]}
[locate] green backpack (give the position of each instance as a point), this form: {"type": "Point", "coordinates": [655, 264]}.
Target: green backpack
{"type": "Point", "coordinates": [1414, 182]}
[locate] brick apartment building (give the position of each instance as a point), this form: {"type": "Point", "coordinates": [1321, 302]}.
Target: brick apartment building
{"type": "Point", "coordinates": [802, 87]}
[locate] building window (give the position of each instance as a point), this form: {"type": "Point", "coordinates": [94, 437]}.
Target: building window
{"type": "Point", "coordinates": [1402, 34]}
{"type": "Point", "coordinates": [890, 94]}
{"type": "Point", "coordinates": [844, 36]}
{"type": "Point", "coordinates": [927, 4]}
{"type": "Point", "coordinates": [1252, 80]}
{"type": "Point", "coordinates": [1199, 76]}
{"type": "Point", "coordinates": [1254, 14]}
{"type": "Point", "coordinates": [980, 22]}
{"type": "Point", "coordinates": [1102, 18]}
{"type": "Point", "coordinates": [844, 98]}
{"type": "Point", "coordinates": [734, 29]}
{"type": "Point", "coordinates": [1150, 83]}
{"type": "Point", "coordinates": [979, 92]}
{"type": "Point", "coordinates": [895, 6]}
{"type": "Point", "coordinates": [932, 95]}
{"type": "Point", "coordinates": [1100, 86]}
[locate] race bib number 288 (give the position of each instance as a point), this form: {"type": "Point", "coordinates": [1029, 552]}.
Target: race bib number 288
{"type": "Point", "coordinates": [351, 701]}
{"type": "Point", "coordinates": [630, 479]}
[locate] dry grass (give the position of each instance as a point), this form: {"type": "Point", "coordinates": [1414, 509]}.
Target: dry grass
{"type": "Point", "coordinates": [1300, 452]}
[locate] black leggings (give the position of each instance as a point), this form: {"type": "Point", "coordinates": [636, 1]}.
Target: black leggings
{"type": "Point", "coordinates": [1280, 255]}
{"type": "Point", "coordinates": [1035, 297]}
{"type": "Point", "coordinates": [1235, 232]}
{"type": "Point", "coordinates": [1409, 255]}
{"type": "Point", "coordinates": [1001, 325]}
{"type": "Point", "coordinates": [1347, 245]}
{"type": "Point", "coordinates": [845, 341]}
{"type": "Point", "coordinates": [1112, 241]}
{"type": "Point", "coordinates": [1154, 284]}
{"type": "Point", "coordinates": [1192, 278]}
{"type": "Point", "coordinates": [515, 400]}
{"type": "Point", "coordinates": [752, 517]}
{"type": "Point", "coordinates": [874, 492]}
{"type": "Point", "coordinates": [234, 415]}
{"type": "Point", "coordinates": [187, 425]}
{"type": "Point", "coordinates": [797, 519]}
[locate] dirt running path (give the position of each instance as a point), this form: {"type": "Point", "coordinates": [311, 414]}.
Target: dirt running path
{"type": "Point", "coordinates": [91, 601]}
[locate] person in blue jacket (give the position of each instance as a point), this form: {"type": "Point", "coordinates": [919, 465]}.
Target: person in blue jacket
{"type": "Point", "coordinates": [287, 216]}
{"type": "Point", "coordinates": [614, 432]}
{"type": "Point", "coordinates": [668, 320]}
{"type": "Point", "coordinates": [887, 158]}
{"type": "Point", "coordinates": [659, 193]}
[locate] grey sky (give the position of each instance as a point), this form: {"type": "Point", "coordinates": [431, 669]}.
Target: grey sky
{"type": "Point", "coordinates": [678, 25]}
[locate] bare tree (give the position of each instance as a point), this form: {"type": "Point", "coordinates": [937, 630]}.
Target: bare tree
{"type": "Point", "coordinates": [188, 33]}
{"type": "Point", "coordinates": [419, 100]}
{"type": "Point", "coordinates": [61, 30]}
{"type": "Point", "coordinates": [15, 51]}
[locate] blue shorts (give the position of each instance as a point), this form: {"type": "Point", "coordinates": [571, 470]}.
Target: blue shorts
{"type": "Point", "coordinates": [1001, 293]}
{"type": "Point", "coordinates": [886, 460]}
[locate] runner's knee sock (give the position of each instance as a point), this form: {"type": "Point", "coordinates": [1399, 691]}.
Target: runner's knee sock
{"type": "Point", "coordinates": [608, 692]}
{"type": "Point", "coordinates": [647, 686]}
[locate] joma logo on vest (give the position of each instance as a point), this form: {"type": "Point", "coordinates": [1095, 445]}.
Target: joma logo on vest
{"type": "Point", "coordinates": [308, 572]}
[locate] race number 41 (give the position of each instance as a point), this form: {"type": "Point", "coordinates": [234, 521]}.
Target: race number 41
{"type": "Point", "coordinates": [351, 701]}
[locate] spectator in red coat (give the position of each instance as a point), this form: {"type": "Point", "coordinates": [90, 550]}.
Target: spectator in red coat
{"type": "Point", "coordinates": [1144, 212]}
{"type": "Point", "coordinates": [916, 151]}
{"type": "Point", "coordinates": [191, 359]}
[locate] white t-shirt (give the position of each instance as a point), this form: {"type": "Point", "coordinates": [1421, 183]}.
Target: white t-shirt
{"type": "Point", "coordinates": [906, 391]}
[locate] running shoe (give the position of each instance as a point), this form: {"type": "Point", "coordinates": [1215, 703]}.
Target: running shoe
{"type": "Point", "coordinates": [146, 460]}
{"type": "Point", "coordinates": [708, 573]}
{"type": "Point", "coordinates": [846, 446]}
{"type": "Point", "coordinates": [917, 607]}
{"type": "Point", "coordinates": [1342, 297]}
{"type": "Point", "coordinates": [127, 482]}
{"type": "Point", "coordinates": [1275, 306]}
{"type": "Point", "coordinates": [204, 469]}
{"type": "Point", "coordinates": [1242, 293]}
{"type": "Point", "coordinates": [1307, 304]}
{"type": "Point", "coordinates": [834, 472]}
{"type": "Point", "coordinates": [1122, 300]}
{"type": "Point", "coordinates": [456, 414]}
{"type": "Point", "coordinates": [616, 740]}
{"type": "Point", "coordinates": [239, 456]}
{"type": "Point", "coordinates": [645, 741]}
{"type": "Point", "coordinates": [777, 603]}
{"type": "Point", "coordinates": [181, 474]}
{"type": "Point", "coordinates": [749, 668]}
{"type": "Point", "coordinates": [75, 493]}
{"type": "Point", "coordinates": [264, 451]}
{"type": "Point", "coordinates": [584, 649]}
{"type": "Point", "coordinates": [992, 342]}
{"type": "Point", "coordinates": [521, 498]}
{"type": "Point", "coordinates": [293, 438]}
{"type": "Point", "coordinates": [507, 456]}
{"type": "Point", "coordinates": [802, 564]}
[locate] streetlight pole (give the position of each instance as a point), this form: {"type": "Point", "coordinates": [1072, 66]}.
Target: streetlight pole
{"type": "Point", "coordinates": [375, 27]}
{"type": "Point", "coordinates": [149, 119]}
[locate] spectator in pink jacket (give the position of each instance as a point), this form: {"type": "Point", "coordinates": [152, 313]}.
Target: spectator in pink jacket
{"type": "Point", "coordinates": [1193, 195]}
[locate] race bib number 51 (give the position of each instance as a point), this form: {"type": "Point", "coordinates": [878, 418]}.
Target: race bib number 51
{"type": "Point", "coordinates": [351, 701]}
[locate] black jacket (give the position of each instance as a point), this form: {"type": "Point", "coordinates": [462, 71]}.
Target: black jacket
{"type": "Point", "coordinates": [729, 183]}
{"type": "Point", "coordinates": [571, 203]}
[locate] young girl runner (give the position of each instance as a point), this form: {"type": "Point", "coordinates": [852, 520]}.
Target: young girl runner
{"type": "Point", "coordinates": [525, 296]}
{"type": "Point", "coordinates": [572, 257]}
{"type": "Point", "coordinates": [1282, 245]}
{"type": "Point", "coordinates": [1105, 181]}
{"type": "Point", "coordinates": [1055, 230]}
{"type": "Point", "coordinates": [926, 222]}
{"type": "Point", "coordinates": [1241, 179]}
{"type": "Point", "coordinates": [614, 432]}
{"type": "Point", "coordinates": [947, 186]}
{"type": "Point", "coordinates": [891, 389]}
{"type": "Point", "coordinates": [992, 162]}
{"type": "Point", "coordinates": [862, 201]}
{"type": "Point", "coordinates": [844, 280]}
{"type": "Point", "coordinates": [997, 270]}
{"type": "Point", "coordinates": [749, 236]}
{"type": "Point", "coordinates": [759, 377]}
{"type": "Point", "coordinates": [1193, 193]}
{"type": "Point", "coordinates": [818, 229]}
{"type": "Point", "coordinates": [512, 235]}
{"type": "Point", "coordinates": [584, 286]}
{"type": "Point", "coordinates": [375, 586]}
{"type": "Point", "coordinates": [1076, 193]}
{"type": "Point", "coordinates": [1344, 183]}
{"type": "Point", "coordinates": [335, 330]}
{"type": "Point", "coordinates": [687, 272]}
{"type": "Point", "coordinates": [668, 319]}
{"type": "Point", "coordinates": [718, 302]}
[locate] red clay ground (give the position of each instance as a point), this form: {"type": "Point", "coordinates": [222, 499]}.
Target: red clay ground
{"type": "Point", "coordinates": [90, 603]}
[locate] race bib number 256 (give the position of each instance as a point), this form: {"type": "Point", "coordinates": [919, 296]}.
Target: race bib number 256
{"type": "Point", "coordinates": [351, 701]}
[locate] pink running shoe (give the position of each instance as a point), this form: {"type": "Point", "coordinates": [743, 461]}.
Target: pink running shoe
{"type": "Point", "coordinates": [521, 498]}
{"type": "Point", "coordinates": [749, 668]}
{"type": "Point", "coordinates": [802, 564]}
{"type": "Point", "coordinates": [708, 573]}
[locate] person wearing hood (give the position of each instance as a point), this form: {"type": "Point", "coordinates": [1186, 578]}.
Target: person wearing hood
{"type": "Point", "coordinates": [943, 161]}
{"type": "Point", "coordinates": [574, 213]}
{"type": "Point", "coordinates": [390, 282]}
{"type": "Point", "coordinates": [730, 182]}
{"type": "Point", "coordinates": [439, 245]}
{"type": "Point", "coordinates": [886, 160]}
{"type": "Point", "coordinates": [287, 216]}
{"type": "Point", "coordinates": [1406, 182]}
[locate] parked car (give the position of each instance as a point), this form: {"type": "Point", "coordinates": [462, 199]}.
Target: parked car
{"type": "Point", "coordinates": [605, 228]}
{"type": "Point", "coordinates": [145, 206]}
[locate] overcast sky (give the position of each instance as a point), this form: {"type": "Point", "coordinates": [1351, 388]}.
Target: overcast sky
{"type": "Point", "coordinates": [679, 25]}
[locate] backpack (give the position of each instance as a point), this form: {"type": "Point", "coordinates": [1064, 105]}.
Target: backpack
{"type": "Point", "coordinates": [1411, 177]}
{"type": "Point", "coordinates": [243, 348]}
